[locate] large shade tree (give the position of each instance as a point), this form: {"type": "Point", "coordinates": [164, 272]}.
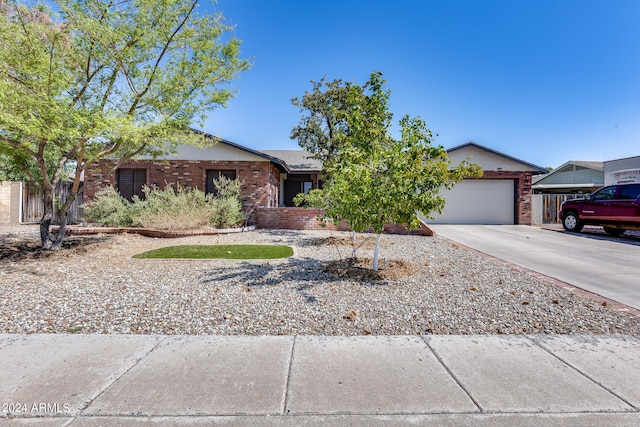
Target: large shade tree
{"type": "Point", "coordinates": [87, 79]}
{"type": "Point", "coordinates": [371, 178]}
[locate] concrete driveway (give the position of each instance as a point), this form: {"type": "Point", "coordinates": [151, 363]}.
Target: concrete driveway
{"type": "Point", "coordinates": [609, 267]}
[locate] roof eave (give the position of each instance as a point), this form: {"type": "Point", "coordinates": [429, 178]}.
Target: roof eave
{"type": "Point", "coordinates": [553, 186]}
{"type": "Point", "coordinates": [278, 162]}
{"type": "Point", "coordinates": [537, 170]}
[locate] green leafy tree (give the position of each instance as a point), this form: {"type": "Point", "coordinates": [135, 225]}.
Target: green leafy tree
{"type": "Point", "coordinates": [325, 120]}
{"type": "Point", "coordinates": [9, 172]}
{"type": "Point", "coordinates": [373, 179]}
{"type": "Point", "coordinates": [100, 78]}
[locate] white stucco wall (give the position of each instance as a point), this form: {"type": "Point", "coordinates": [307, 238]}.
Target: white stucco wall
{"type": "Point", "coordinates": [220, 152]}
{"type": "Point", "coordinates": [536, 209]}
{"type": "Point", "coordinates": [622, 170]}
{"type": "Point", "coordinates": [487, 160]}
{"type": "Point", "coordinates": [10, 202]}
{"type": "Point", "coordinates": [5, 201]}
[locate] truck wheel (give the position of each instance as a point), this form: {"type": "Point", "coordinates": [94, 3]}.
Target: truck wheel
{"type": "Point", "coordinates": [613, 231]}
{"type": "Point", "coordinates": [571, 222]}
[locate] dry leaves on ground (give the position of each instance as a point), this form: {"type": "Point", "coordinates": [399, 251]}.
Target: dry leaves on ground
{"type": "Point", "coordinates": [30, 249]}
{"type": "Point", "coordinates": [362, 269]}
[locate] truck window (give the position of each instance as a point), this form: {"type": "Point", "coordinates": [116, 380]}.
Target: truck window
{"type": "Point", "coordinates": [629, 192]}
{"type": "Point", "coordinates": [605, 194]}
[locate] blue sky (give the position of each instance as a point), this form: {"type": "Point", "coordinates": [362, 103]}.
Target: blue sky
{"type": "Point", "coordinates": [545, 81]}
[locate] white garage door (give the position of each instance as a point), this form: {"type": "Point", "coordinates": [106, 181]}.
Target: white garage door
{"type": "Point", "coordinates": [478, 201]}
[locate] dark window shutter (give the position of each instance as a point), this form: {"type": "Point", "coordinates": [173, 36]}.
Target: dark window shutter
{"type": "Point", "coordinates": [213, 175]}
{"type": "Point", "coordinates": [228, 174]}
{"type": "Point", "coordinates": [130, 182]}
{"type": "Point", "coordinates": [139, 180]}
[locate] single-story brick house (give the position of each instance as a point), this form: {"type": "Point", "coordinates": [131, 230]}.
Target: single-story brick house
{"type": "Point", "coordinates": [268, 181]}
{"type": "Point", "coordinates": [273, 177]}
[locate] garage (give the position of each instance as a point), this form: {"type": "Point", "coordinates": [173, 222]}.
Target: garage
{"type": "Point", "coordinates": [479, 201]}
{"type": "Point", "coordinates": [501, 196]}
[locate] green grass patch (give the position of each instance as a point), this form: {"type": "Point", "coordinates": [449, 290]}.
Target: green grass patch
{"type": "Point", "coordinates": [220, 251]}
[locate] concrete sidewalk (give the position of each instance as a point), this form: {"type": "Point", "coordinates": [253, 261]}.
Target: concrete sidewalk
{"type": "Point", "coordinates": [108, 380]}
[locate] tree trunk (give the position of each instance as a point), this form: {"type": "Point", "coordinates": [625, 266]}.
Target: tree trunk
{"type": "Point", "coordinates": [57, 244]}
{"type": "Point", "coordinates": [376, 251]}
{"type": "Point", "coordinates": [47, 240]}
{"type": "Point", "coordinates": [45, 232]}
{"type": "Point", "coordinates": [45, 222]}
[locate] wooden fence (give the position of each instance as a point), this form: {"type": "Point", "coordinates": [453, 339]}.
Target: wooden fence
{"type": "Point", "coordinates": [33, 203]}
{"type": "Point", "coordinates": [551, 206]}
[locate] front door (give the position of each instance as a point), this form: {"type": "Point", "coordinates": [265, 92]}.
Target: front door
{"type": "Point", "coordinates": [294, 185]}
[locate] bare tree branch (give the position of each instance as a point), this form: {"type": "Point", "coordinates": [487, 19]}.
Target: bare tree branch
{"type": "Point", "coordinates": [161, 57]}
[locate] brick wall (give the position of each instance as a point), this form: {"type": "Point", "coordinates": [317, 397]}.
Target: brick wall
{"type": "Point", "coordinates": [261, 180]}
{"type": "Point", "coordinates": [307, 219]}
{"type": "Point", "coordinates": [262, 186]}
{"type": "Point", "coordinates": [523, 182]}
{"type": "Point", "coordinates": [291, 219]}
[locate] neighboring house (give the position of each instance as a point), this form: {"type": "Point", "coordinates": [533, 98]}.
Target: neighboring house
{"type": "Point", "coordinates": [501, 196]}
{"type": "Point", "coordinates": [572, 177]}
{"type": "Point", "coordinates": [622, 170]}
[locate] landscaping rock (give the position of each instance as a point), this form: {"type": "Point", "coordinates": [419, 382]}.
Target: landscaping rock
{"type": "Point", "coordinates": [94, 286]}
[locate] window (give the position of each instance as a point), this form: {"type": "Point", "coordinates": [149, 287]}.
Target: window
{"type": "Point", "coordinates": [605, 194]}
{"type": "Point", "coordinates": [629, 192]}
{"type": "Point", "coordinates": [213, 175]}
{"type": "Point", "coordinates": [307, 186]}
{"type": "Point", "coordinates": [129, 182]}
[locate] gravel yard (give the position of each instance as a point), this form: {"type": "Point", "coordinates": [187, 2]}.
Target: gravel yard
{"type": "Point", "coordinates": [94, 286]}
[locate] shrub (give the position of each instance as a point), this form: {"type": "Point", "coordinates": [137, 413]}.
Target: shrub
{"type": "Point", "coordinates": [169, 209]}
{"type": "Point", "coordinates": [227, 213]}
{"type": "Point", "coordinates": [227, 188]}
{"type": "Point", "coordinates": [227, 210]}
{"type": "Point", "coordinates": [177, 209]}
{"type": "Point", "coordinates": [110, 209]}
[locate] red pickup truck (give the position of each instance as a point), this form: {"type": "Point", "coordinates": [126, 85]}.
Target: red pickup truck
{"type": "Point", "coordinates": [616, 208]}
